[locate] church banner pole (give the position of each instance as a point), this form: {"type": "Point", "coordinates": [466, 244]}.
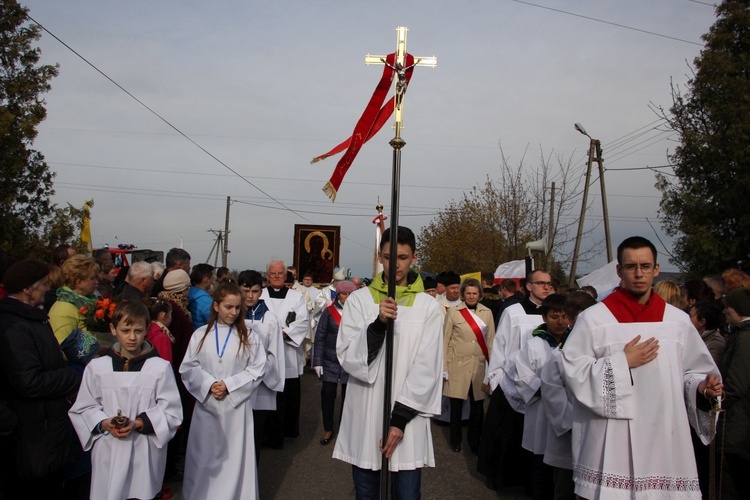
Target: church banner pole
{"type": "Point", "coordinates": [396, 143]}
{"type": "Point", "coordinates": [402, 67]}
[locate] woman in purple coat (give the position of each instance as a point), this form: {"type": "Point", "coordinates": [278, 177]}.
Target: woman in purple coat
{"type": "Point", "coordinates": [325, 363]}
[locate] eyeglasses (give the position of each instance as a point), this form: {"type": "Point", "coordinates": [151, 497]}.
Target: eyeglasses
{"type": "Point", "coordinates": [276, 273]}
{"type": "Point", "coordinates": [546, 284]}
{"type": "Point", "coordinates": [645, 268]}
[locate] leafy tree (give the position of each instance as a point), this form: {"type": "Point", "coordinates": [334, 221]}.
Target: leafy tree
{"type": "Point", "coordinates": [492, 223]}
{"type": "Point", "coordinates": [705, 204]}
{"type": "Point", "coordinates": [25, 179]}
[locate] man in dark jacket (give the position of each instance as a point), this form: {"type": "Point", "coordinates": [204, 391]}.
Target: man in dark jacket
{"type": "Point", "coordinates": [36, 385]}
{"type": "Point", "coordinates": [735, 369]}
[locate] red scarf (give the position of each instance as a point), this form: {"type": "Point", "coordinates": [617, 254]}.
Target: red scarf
{"type": "Point", "coordinates": [625, 308]}
{"type": "Point", "coordinates": [335, 314]}
{"type": "Point", "coordinates": [371, 121]}
{"type": "Point", "coordinates": [477, 331]}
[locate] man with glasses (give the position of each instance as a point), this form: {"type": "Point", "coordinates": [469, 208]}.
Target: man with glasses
{"type": "Point", "coordinates": [290, 307]}
{"type": "Point", "coordinates": [500, 451]}
{"type": "Point", "coordinates": [641, 376]}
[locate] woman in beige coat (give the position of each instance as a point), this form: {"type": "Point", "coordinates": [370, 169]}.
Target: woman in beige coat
{"type": "Point", "coordinates": [468, 334]}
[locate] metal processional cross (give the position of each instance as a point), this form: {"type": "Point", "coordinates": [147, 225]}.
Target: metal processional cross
{"type": "Point", "coordinates": [400, 69]}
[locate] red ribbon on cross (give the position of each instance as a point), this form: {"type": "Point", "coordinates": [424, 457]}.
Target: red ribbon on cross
{"type": "Point", "coordinates": [369, 124]}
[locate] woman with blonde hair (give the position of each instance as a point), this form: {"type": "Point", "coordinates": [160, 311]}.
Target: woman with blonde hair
{"type": "Point", "coordinates": [670, 292]}
{"type": "Point", "coordinates": [79, 278]}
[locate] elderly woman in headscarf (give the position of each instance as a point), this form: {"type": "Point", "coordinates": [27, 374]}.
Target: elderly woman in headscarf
{"type": "Point", "coordinates": [325, 362]}
{"type": "Point", "coordinates": [176, 289]}
{"type": "Point", "coordinates": [36, 436]}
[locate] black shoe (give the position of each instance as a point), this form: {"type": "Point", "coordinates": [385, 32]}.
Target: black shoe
{"type": "Point", "coordinates": [456, 447]}
{"type": "Point", "coordinates": [326, 440]}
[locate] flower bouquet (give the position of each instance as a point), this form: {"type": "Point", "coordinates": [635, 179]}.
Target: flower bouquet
{"type": "Point", "coordinates": [98, 315]}
{"type": "Point", "coordinates": [96, 319]}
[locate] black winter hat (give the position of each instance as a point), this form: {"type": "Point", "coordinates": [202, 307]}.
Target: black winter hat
{"type": "Point", "coordinates": [23, 274]}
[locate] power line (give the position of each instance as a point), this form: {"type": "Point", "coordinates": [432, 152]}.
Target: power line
{"type": "Point", "coordinates": [295, 179]}
{"type": "Point", "coordinates": [650, 142]}
{"type": "Point", "coordinates": [167, 122]}
{"type": "Point", "coordinates": [638, 168]}
{"type": "Point", "coordinates": [609, 22]}
{"type": "Point", "coordinates": [222, 198]}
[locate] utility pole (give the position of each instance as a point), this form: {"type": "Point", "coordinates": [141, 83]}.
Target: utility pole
{"type": "Point", "coordinates": [595, 155]}
{"type": "Point", "coordinates": [605, 212]}
{"type": "Point", "coordinates": [218, 246]}
{"type": "Point", "coordinates": [584, 202]}
{"type": "Point", "coordinates": [551, 232]}
{"type": "Point", "coordinates": [226, 235]}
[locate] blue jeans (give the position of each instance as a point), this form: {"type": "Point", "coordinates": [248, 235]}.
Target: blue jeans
{"type": "Point", "coordinates": [405, 484]}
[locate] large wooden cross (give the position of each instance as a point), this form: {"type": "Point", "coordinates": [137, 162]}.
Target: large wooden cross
{"type": "Point", "coordinates": [400, 81]}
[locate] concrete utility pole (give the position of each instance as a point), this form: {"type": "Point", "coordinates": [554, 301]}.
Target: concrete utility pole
{"type": "Point", "coordinates": [226, 235]}
{"type": "Point", "coordinates": [595, 155]}
{"type": "Point", "coordinates": [551, 232]}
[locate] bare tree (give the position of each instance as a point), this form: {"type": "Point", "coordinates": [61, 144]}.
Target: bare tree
{"type": "Point", "coordinates": [492, 223]}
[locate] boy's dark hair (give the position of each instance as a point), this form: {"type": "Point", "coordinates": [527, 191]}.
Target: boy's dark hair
{"type": "Point", "coordinates": [308, 274]}
{"type": "Point", "coordinates": [222, 272]}
{"type": "Point", "coordinates": [200, 272]}
{"type": "Point", "coordinates": [250, 279]}
{"type": "Point", "coordinates": [488, 277]}
{"type": "Point", "coordinates": [156, 306]}
{"type": "Point", "coordinates": [554, 302]}
{"type": "Point", "coordinates": [176, 256]}
{"type": "Point", "coordinates": [509, 285]}
{"type": "Point", "coordinates": [577, 302]}
{"type": "Point", "coordinates": [711, 311]}
{"type": "Point", "coordinates": [99, 253]}
{"type": "Point", "coordinates": [405, 237]}
{"type": "Point", "coordinates": [530, 276]}
{"type": "Point", "coordinates": [697, 290]}
{"type": "Point", "coordinates": [131, 311]}
{"type": "Point", "coordinates": [634, 243]}
{"type": "Point", "coordinates": [60, 254]}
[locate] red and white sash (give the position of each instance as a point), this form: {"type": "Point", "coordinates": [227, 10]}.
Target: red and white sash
{"type": "Point", "coordinates": [335, 314]}
{"type": "Point", "coordinates": [479, 328]}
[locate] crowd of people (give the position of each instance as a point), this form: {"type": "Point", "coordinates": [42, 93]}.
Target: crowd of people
{"type": "Point", "coordinates": [111, 380]}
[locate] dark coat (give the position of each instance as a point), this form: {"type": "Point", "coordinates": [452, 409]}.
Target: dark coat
{"type": "Point", "coordinates": [324, 349]}
{"type": "Point", "coordinates": [37, 384]}
{"type": "Point", "coordinates": [735, 372]}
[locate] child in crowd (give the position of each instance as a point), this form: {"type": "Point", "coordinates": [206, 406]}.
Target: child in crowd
{"type": "Point", "coordinates": [127, 410]}
{"type": "Point", "coordinates": [158, 331]}
{"type": "Point", "coordinates": [558, 407]}
{"type": "Point", "coordinates": [527, 382]}
{"type": "Point", "coordinates": [268, 328]}
{"type": "Point", "coordinates": [222, 368]}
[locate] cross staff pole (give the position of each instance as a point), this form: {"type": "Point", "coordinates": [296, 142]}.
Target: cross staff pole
{"type": "Point", "coordinates": [397, 143]}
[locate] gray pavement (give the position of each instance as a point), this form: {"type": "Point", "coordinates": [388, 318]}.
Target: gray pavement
{"type": "Point", "coordinates": [304, 469]}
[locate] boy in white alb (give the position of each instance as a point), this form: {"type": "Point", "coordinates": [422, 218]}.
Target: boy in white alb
{"type": "Point", "coordinates": [526, 377]}
{"type": "Point", "coordinates": [131, 381]}
{"type": "Point", "coordinates": [417, 376]}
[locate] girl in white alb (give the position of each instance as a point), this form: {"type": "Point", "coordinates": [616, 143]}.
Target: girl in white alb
{"type": "Point", "coordinates": [222, 368]}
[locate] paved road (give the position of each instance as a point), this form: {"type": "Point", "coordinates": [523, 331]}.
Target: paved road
{"type": "Point", "coordinates": [305, 470]}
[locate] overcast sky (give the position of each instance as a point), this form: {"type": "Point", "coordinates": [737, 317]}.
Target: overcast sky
{"type": "Point", "coordinates": [266, 86]}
